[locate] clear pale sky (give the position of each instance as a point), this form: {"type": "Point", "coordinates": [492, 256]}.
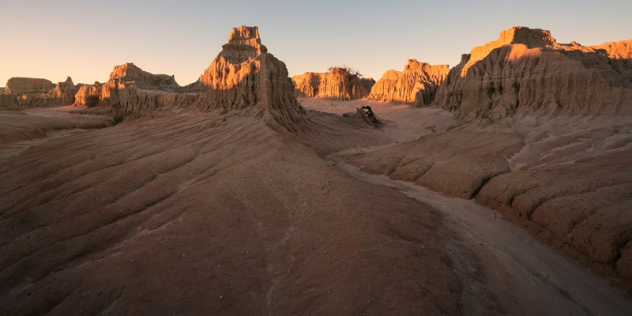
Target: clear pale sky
{"type": "Point", "coordinates": [86, 39]}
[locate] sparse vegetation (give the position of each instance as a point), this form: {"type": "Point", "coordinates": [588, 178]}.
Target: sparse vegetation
{"type": "Point", "coordinates": [352, 71]}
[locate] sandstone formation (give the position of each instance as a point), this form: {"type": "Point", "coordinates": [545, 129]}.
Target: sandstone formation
{"type": "Point", "coordinates": [244, 76]}
{"type": "Point", "coordinates": [28, 86]}
{"type": "Point", "coordinates": [617, 50]}
{"type": "Point", "coordinates": [133, 90]}
{"type": "Point", "coordinates": [89, 95]}
{"type": "Point", "coordinates": [415, 85]}
{"type": "Point", "coordinates": [338, 84]}
{"type": "Point", "coordinates": [130, 89]}
{"type": "Point", "coordinates": [527, 71]}
{"type": "Point", "coordinates": [29, 93]}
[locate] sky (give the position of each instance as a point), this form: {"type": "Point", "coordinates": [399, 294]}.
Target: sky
{"type": "Point", "coordinates": [86, 39]}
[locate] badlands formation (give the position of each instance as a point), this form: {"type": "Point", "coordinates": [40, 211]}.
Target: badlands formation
{"type": "Point", "coordinates": [337, 84]}
{"type": "Point", "coordinates": [227, 196]}
{"type": "Point", "coordinates": [415, 85]}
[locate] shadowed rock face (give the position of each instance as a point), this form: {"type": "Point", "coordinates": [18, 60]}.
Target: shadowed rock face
{"type": "Point", "coordinates": [87, 91]}
{"type": "Point", "coordinates": [245, 76]}
{"type": "Point", "coordinates": [527, 71]}
{"type": "Point", "coordinates": [415, 85]}
{"type": "Point", "coordinates": [337, 84]}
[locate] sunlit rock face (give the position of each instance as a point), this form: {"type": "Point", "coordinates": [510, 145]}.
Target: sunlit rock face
{"type": "Point", "coordinates": [23, 93]}
{"type": "Point", "coordinates": [245, 76]}
{"type": "Point", "coordinates": [338, 84]}
{"type": "Point", "coordinates": [415, 85]}
{"type": "Point", "coordinates": [89, 94]}
{"type": "Point", "coordinates": [133, 90]}
{"type": "Point", "coordinates": [527, 71]}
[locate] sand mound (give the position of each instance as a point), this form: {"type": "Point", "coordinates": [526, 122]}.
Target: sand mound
{"type": "Point", "coordinates": [415, 85]}
{"type": "Point", "coordinates": [527, 71]}
{"type": "Point", "coordinates": [337, 84]}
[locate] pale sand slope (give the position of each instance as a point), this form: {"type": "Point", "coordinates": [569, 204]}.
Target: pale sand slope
{"type": "Point", "coordinates": [201, 213]}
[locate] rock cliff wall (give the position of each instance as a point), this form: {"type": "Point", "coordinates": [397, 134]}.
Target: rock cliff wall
{"type": "Point", "coordinates": [527, 71]}
{"type": "Point", "coordinates": [336, 84]}
{"type": "Point", "coordinates": [415, 85]}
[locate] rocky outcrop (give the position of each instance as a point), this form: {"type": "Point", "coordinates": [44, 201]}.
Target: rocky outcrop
{"type": "Point", "coordinates": [527, 71]}
{"type": "Point", "coordinates": [617, 50]}
{"type": "Point", "coordinates": [19, 86]}
{"type": "Point", "coordinates": [415, 85]}
{"type": "Point", "coordinates": [63, 94]}
{"type": "Point", "coordinates": [245, 76]}
{"type": "Point", "coordinates": [89, 95]}
{"type": "Point", "coordinates": [133, 90]}
{"type": "Point", "coordinates": [29, 93]}
{"type": "Point", "coordinates": [338, 84]}
{"type": "Point", "coordinates": [130, 72]}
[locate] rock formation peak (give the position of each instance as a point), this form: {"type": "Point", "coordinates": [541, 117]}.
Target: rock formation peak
{"type": "Point", "coordinates": [527, 36]}
{"type": "Point", "coordinates": [244, 34]}
{"type": "Point", "coordinates": [245, 76]}
{"type": "Point", "coordinates": [243, 43]}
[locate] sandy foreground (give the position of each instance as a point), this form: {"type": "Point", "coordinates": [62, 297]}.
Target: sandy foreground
{"type": "Point", "coordinates": [208, 213]}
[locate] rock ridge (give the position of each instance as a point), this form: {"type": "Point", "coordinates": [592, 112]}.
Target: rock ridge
{"type": "Point", "coordinates": [338, 84]}
{"type": "Point", "coordinates": [415, 85]}
{"type": "Point", "coordinates": [527, 71]}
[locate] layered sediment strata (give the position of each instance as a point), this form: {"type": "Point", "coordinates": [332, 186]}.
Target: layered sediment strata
{"type": "Point", "coordinates": [527, 71]}
{"type": "Point", "coordinates": [244, 76]}
{"type": "Point", "coordinates": [416, 84]}
{"type": "Point", "coordinates": [338, 84]}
